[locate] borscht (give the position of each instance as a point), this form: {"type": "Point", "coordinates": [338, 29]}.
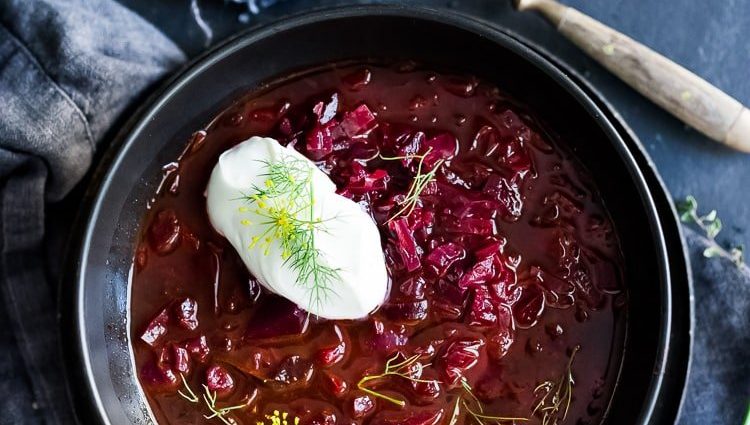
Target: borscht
{"type": "Point", "coordinates": [504, 293]}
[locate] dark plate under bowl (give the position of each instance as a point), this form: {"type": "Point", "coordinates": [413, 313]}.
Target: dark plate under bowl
{"type": "Point", "coordinates": [101, 366]}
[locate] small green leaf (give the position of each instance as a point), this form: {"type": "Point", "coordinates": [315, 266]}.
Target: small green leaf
{"type": "Point", "coordinates": [688, 209]}
{"type": "Point", "coordinates": [711, 251]}
{"type": "Point", "coordinates": [713, 228]}
{"type": "Point", "coordinates": [710, 216]}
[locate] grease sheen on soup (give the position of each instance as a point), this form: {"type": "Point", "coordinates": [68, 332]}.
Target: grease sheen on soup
{"type": "Point", "coordinates": [507, 272]}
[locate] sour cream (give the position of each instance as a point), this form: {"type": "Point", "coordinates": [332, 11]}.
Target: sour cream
{"type": "Point", "coordinates": [348, 241]}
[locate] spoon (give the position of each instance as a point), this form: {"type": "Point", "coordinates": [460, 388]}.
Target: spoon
{"type": "Point", "coordinates": [677, 90]}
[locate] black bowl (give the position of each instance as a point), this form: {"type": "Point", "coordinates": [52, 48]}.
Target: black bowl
{"type": "Point", "coordinates": [97, 317]}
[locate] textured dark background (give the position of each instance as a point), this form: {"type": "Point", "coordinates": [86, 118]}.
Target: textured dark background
{"type": "Point", "coordinates": [708, 37]}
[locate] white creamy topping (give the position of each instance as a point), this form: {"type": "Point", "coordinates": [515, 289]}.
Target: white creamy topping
{"type": "Point", "coordinates": [347, 239]}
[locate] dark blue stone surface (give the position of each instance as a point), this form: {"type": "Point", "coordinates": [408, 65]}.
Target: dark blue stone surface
{"type": "Point", "coordinates": [708, 37]}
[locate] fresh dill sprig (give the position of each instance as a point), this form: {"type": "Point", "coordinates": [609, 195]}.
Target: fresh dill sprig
{"type": "Point", "coordinates": [209, 398]}
{"type": "Point", "coordinates": [286, 204]}
{"type": "Point", "coordinates": [711, 225]}
{"type": "Point", "coordinates": [402, 369]}
{"type": "Point", "coordinates": [190, 396]}
{"type": "Point", "coordinates": [561, 392]}
{"type": "Point", "coordinates": [478, 415]}
{"type": "Point", "coordinates": [418, 184]}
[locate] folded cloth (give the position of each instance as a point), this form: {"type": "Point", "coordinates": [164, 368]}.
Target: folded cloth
{"type": "Point", "coordinates": [68, 69]}
{"type": "Point", "coordinates": [718, 388]}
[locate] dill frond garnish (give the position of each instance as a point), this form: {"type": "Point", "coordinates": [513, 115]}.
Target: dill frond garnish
{"type": "Point", "coordinates": [418, 184]}
{"type": "Point", "coordinates": [286, 206]}
{"type": "Point", "coordinates": [561, 393]}
{"type": "Point", "coordinates": [209, 399]}
{"type": "Point", "coordinates": [190, 396]}
{"type": "Point", "coordinates": [477, 413]}
{"type": "Point", "coordinates": [409, 368]}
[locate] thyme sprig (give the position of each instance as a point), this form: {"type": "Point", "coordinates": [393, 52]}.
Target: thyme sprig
{"type": "Point", "coordinates": [711, 225]}
{"type": "Point", "coordinates": [286, 205]}
{"type": "Point", "coordinates": [561, 392]}
{"type": "Point", "coordinates": [418, 184]}
{"type": "Point", "coordinates": [478, 415]}
{"type": "Point", "coordinates": [209, 399]}
{"type": "Point", "coordinates": [410, 368]}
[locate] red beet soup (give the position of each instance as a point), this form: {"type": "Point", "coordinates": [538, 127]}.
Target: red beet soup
{"type": "Point", "coordinates": [506, 301]}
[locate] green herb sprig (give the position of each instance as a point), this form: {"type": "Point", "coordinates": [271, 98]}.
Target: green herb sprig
{"type": "Point", "coordinates": [561, 392]}
{"type": "Point", "coordinates": [418, 184]}
{"type": "Point", "coordinates": [286, 204]}
{"type": "Point", "coordinates": [711, 225]}
{"type": "Point", "coordinates": [209, 399]}
{"type": "Point", "coordinates": [409, 368]}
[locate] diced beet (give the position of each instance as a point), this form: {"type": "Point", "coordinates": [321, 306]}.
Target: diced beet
{"type": "Point", "coordinates": [334, 384]}
{"type": "Point", "coordinates": [450, 292]}
{"type": "Point", "coordinates": [276, 318]}
{"type": "Point", "coordinates": [156, 328]}
{"type": "Point", "coordinates": [529, 307]}
{"type": "Point", "coordinates": [358, 79]}
{"type": "Point", "coordinates": [507, 193]}
{"type": "Point", "coordinates": [505, 144]}
{"type": "Point", "coordinates": [499, 342]}
{"type": "Point", "coordinates": [294, 372]}
{"type": "Point", "coordinates": [426, 389]}
{"type": "Point", "coordinates": [365, 182]}
{"type": "Point", "coordinates": [385, 338]}
{"type": "Point", "coordinates": [479, 274]}
{"type": "Point", "coordinates": [331, 355]}
{"type": "Point", "coordinates": [474, 226]}
{"type": "Point", "coordinates": [409, 417]}
{"type": "Point", "coordinates": [358, 122]}
{"type": "Point", "coordinates": [325, 111]}
{"type": "Point", "coordinates": [319, 141]}
{"type": "Point", "coordinates": [421, 218]}
{"type": "Point", "coordinates": [362, 406]}
{"type": "Point", "coordinates": [198, 348]}
{"type": "Point", "coordinates": [414, 287]}
{"type": "Point", "coordinates": [406, 245]}
{"type": "Point", "coordinates": [493, 246]}
{"type": "Point", "coordinates": [219, 380]}
{"type": "Point", "coordinates": [444, 256]}
{"type": "Point", "coordinates": [164, 232]}
{"type": "Point", "coordinates": [477, 209]}
{"type": "Point", "coordinates": [443, 146]}
{"type": "Point", "coordinates": [482, 311]}
{"type": "Point", "coordinates": [180, 359]}
{"type": "Point", "coordinates": [456, 358]}
{"type": "Point", "coordinates": [409, 145]}
{"type": "Point", "coordinates": [158, 376]}
{"type": "Point", "coordinates": [405, 312]}
{"type": "Point", "coordinates": [186, 313]}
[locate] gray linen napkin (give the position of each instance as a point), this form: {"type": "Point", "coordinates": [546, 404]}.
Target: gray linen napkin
{"type": "Point", "coordinates": [68, 69]}
{"type": "Point", "coordinates": [719, 381]}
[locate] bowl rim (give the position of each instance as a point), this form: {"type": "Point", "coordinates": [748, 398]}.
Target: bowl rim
{"type": "Point", "coordinates": [73, 307]}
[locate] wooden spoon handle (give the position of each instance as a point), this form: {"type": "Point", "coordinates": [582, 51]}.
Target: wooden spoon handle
{"type": "Point", "coordinates": [679, 91]}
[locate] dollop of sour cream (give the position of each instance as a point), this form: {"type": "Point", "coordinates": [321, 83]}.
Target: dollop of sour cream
{"type": "Point", "coordinates": [347, 239]}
